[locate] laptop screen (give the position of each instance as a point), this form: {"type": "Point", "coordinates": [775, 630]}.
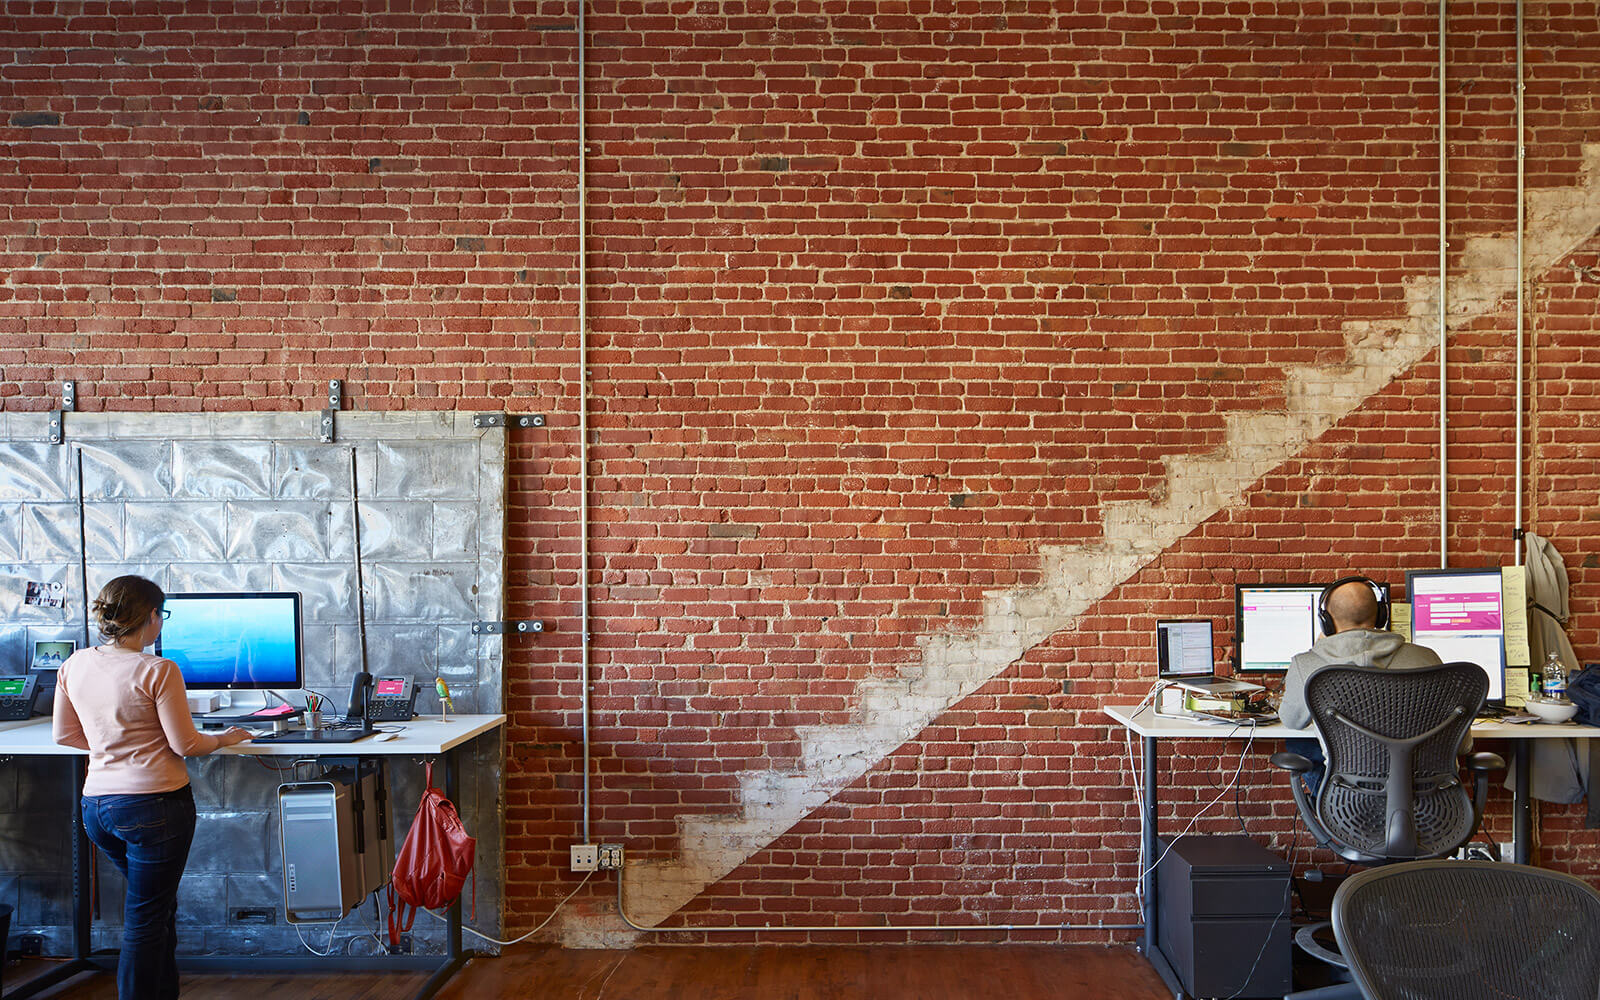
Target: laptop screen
{"type": "Point", "coordinates": [1184, 648]}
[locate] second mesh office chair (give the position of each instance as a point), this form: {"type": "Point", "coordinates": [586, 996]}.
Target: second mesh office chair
{"type": "Point", "coordinates": [1469, 930]}
{"type": "Point", "coordinates": [1393, 790]}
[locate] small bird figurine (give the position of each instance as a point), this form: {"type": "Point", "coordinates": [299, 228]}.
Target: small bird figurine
{"type": "Point", "coordinates": [444, 696]}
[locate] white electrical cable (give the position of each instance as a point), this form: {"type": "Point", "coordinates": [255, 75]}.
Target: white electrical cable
{"type": "Point", "coordinates": [518, 940]}
{"type": "Point", "coordinates": [333, 929]}
{"type": "Point", "coordinates": [1244, 753]}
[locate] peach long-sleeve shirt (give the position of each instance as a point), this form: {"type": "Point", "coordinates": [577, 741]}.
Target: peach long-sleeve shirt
{"type": "Point", "coordinates": [129, 711]}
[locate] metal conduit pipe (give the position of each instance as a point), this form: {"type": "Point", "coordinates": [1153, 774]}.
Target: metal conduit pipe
{"type": "Point", "coordinates": [1444, 295]}
{"type": "Point", "coordinates": [1516, 523]}
{"type": "Point", "coordinates": [583, 413]}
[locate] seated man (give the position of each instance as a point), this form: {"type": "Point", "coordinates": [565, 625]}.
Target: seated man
{"type": "Point", "coordinates": [1355, 640]}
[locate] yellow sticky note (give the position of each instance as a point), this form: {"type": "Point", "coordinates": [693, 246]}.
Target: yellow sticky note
{"type": "Point", "coordinates": [1400, 619]}
{"type": "Point", "coordinates": [1514, 612]}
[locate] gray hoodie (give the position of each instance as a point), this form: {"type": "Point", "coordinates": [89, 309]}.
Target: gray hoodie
{"type": "Point", "coordinates": [1361, 647]}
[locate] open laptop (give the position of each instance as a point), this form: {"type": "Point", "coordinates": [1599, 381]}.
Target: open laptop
{"type": "Point", "coordinates": [1186, 657]}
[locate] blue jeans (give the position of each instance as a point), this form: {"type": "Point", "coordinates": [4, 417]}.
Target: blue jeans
{"type": "Point", "coordinates": [1312, 751]}
{"type": "Point", "coordinates": [147, 837]}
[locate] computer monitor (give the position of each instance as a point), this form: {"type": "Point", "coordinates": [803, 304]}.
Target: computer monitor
{"type": "Point", "coordinates": [234, 641]}
{"type": "Point", "coordinates": [1460, 614]}
{"type": "Point", "coordinates": [1273, 622]}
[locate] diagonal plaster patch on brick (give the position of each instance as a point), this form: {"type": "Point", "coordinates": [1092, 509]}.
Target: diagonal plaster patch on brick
{"type": "Point", "coordinates": [956, 664]}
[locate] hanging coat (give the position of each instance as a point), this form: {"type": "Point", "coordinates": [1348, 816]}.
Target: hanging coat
{"type": "Point", "coordinates": [1558, 769]}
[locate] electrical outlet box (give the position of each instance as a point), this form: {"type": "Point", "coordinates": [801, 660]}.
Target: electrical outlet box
{"type": "Point", "coordinates": [403, 947]}
{"type": "Point", "coordinates": [585, 857]}
{"type": "Point", "coordinates": [610, 857]}
{"type": "Point", "coordinates": [251, 915]}
{"type": "Point", "coordinates": [30, 945]}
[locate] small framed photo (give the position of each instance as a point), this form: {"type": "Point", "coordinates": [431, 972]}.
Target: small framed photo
{"type": "Point", "coordinates": [49, 654]}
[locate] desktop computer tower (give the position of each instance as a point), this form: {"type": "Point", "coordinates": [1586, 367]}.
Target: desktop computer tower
{"type": "Point", "coordinates": [337, 844]}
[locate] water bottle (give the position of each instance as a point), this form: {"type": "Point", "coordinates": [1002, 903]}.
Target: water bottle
{"type": "Point", "coordinates": [1555, 676]}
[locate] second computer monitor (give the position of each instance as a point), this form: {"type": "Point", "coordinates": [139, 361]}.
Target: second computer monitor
{"type": "Point", "coordinates": [1273, 622]}
{"type": "Point", "coordinates": [1460, 614]}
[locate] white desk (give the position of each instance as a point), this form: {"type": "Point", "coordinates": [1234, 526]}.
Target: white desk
{"type": "Point", "coordinates": [1151, 728]}
{"type": "Point", "coordinates": [425, 736]}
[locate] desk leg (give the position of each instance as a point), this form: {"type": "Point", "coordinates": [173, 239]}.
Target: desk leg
{"type": "Point", "coordinates": [1521, 804]}
{"type": "Point", "coordinates": [1152, 909]}
{"type": "Point", "coordinates": [455, 955]}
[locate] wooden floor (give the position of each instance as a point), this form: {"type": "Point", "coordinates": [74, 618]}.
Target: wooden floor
{"type": "Point", "coordinates": [957, 972]}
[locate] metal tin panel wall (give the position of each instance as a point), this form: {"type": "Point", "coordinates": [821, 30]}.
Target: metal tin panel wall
{"type": "Point", "coordinates": [253, 501]}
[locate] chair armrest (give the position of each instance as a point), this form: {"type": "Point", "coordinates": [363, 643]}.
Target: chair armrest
{"type": "Point", "coordinates": [1485, 762]}
{"type": "Point", "coordinates": [1297, 763]}
{"type": "Point", "coordinates": [1480, 764]}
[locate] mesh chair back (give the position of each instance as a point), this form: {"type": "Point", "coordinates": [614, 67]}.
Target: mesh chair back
{"type": "Point", "coordinates": [1393, 789]}
{"type": "Point", "coordinates": [1469, 930]}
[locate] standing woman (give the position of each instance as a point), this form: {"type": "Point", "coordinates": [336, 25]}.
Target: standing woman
{"type": "Point", "coordinates": [129, 710]}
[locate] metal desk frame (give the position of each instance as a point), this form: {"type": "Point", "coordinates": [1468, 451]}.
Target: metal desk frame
{"type": "Point", "coordinates": [443, 967]}
{"type": "Point", "coordinates": [1152, 728]}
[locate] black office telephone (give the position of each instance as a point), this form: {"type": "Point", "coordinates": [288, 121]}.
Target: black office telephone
{"type": "Point", "coordinates": [17, 695]}
{"type": "Point", "coordinates": [393, 699]}
{"type": "Point", "coordinates": [386, 699]}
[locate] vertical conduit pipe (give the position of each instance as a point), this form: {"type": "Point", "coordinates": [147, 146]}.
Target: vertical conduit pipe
{"type": "Point", "coordinates": [583, 413]}
{"type": "Point", "coordinates": [1516, 524]}
{"type": "Point", "coordinates": [1444, 507]}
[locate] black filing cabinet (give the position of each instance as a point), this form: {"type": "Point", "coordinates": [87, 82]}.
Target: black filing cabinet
{"type": "Point", "coordinates": [1224, 916]}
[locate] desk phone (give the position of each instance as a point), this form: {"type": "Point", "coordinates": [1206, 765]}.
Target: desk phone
{"type": "Point", "coordinates": [393, 699]}
{"type": "Point", "coordinates": [17, 695]}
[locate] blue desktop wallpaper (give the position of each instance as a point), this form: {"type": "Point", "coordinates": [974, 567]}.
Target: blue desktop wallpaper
{"type": "Point", "coordinates": [226, 641]}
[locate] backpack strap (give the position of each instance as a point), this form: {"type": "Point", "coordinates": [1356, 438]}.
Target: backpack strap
{"type": "Point", "coordinates": [398, 919]}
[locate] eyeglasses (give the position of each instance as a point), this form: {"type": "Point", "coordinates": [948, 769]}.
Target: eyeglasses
{"type": "Point", "coordinates": [165, 614]}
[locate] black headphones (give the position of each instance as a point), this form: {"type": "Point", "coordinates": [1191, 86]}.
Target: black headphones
{"type": "Point", "coordinates": [1326, 620]}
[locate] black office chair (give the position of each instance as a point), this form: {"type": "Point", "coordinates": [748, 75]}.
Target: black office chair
{"type": "Point", "coordinates": [1469, 930]}
{"type": "Point", "coordinates": [1393, 790]}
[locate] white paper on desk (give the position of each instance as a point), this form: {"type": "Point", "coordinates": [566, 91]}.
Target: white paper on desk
{"type": "Point", "coordinates": [1400, 619]}
{"type": "Point", "coordinates": [1514, 602]}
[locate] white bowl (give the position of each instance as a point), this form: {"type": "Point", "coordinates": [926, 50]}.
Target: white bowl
{"type": "Point", "coordinates": [1552, 711]}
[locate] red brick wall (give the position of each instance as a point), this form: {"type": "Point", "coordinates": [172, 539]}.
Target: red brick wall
{"type": "Point", "coordinates": [883, 297]}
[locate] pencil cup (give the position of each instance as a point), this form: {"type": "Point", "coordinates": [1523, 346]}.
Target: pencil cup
{"type": "Point", "coordinates": [313, 720]}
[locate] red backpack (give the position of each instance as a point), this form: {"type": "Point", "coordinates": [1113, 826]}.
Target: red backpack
{"type": "Point", "coordinates": [433, 863]}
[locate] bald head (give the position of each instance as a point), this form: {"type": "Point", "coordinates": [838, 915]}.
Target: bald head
{"type": "Point", "coordinates": [1353, 605]}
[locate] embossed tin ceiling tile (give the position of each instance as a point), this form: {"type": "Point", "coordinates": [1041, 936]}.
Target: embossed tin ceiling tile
{"type": "Point", "coordinates": [14, 580]}
{"type": "Point", "coordinates": [396, 530]}
{"type": "Point", "coordinates": [317, 471]}
{"type": "Point", "coordinates": [217, 578]}
{"type": "Point", "coordinates": [221, 470]}
{"type": "Point", "coordinates": [14, 651]}
{"type": "Point", "coordinates": [455, 531]}
{"type": "Point", "coordinates": [50, 531]}
{"type": "Point", "coordinates": [202, 899]}
{"type": "Point", "coordinates": [428, 470]}
{"type": "Point", "coordinates": [182, 532]}
{"type": "Point", "coordinates": [285, 531]}
{"type": "Point", "coordinates": [11, 531]}
{"type": "Point", "coordinates": [318, 650]}
{"type": "Point", "coordinates": [36, 472]}
{"type": "Point", "coordinates": [127, 470]}
{"type": "Point", "coordinates": [327, 590]}
{"type": "Point", "coordinates": [234, 841]}
{"type": "Point", "coordinates": [403, 651]}
{"type": "Point", "coordinates": [442, 593]}
{"type": "Point", "coordinates": [101, 574]}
